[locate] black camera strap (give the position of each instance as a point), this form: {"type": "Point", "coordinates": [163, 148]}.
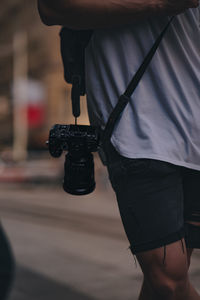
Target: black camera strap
{"type": "Point", "coordinates": [126, 96]}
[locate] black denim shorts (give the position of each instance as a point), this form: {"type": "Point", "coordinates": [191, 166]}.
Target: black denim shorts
{"type": "Point", "coordinates": [156, 201]}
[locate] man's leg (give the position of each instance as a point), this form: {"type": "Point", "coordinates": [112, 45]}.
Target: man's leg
{"type": "Point", "coordinates": [146, 290]}
{"type": "Point", "coordinates": [189, 254]}
{"type": "Point", "coordinates": [7, 265]}
{"type": "Point", "coordinates": [167, 281]}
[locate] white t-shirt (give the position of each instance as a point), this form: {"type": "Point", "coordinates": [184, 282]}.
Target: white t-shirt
{"type": "Point", "coordinates": [162, 121]}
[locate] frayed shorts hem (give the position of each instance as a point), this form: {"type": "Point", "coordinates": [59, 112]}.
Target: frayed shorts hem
{"type": "Point", "coordinates": [176, 236]}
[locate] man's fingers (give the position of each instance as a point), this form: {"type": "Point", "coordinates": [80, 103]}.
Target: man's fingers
{"type": "Point", "coordinates": [175, 7]}
{"type": "Point", "coordinates": [196, 4]}
{"type": "Point", "coordinates": [193, 3]}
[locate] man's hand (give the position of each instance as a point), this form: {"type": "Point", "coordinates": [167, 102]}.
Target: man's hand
{"type": "Point", "coordinates": [174, 7]}
{"type": "Point", "coordinates": [47, 12]}
{"type": "Point", "coordinates": [91, 14]}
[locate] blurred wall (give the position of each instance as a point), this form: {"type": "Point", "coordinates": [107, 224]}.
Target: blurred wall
{"type": "Point", "coordinates": [44, 68]}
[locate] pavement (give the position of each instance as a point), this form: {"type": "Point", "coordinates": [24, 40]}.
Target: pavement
{"type": "Point", "coordinates": [68, 247]}
{"type": "Point", "coordinates": [35, 170]}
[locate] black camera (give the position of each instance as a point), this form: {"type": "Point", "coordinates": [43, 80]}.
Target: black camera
{"type": "Point", "coordinates": [79, 141]}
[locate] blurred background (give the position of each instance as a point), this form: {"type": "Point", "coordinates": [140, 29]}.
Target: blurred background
{"type": "Point", "coordinates": [65, 247]}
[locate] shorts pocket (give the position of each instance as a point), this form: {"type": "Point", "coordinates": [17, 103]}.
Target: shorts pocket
{"type": "Point", "coordinates": [120, 170]}
{"type": "Point", "coordinates": [135, 166]}
{"type": "Point", "coordinates": [162, 168]}
{"type": "Point", "coordinates": [115, 172]}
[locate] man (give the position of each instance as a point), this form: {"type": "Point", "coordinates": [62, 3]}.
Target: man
{"type": "Point", "coordinates": [7, 265]}
{"type": "Point", "coordinates": [154, 155]}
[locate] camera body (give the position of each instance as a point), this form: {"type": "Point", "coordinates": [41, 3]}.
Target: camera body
{"type": "Point", "coordinates": [79, 141]}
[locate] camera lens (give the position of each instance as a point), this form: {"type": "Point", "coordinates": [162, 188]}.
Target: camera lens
{"type": "Point", "coordinates": [79, 174]}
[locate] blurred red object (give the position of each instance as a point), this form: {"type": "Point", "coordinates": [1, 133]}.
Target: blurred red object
{"type": "Point", "coordinates": [36, 116]}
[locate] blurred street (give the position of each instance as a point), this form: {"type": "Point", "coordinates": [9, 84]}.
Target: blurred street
{"type": "Point", "coordinates": [70, 247]}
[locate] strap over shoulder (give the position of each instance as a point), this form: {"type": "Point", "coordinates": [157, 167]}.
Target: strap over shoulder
{"type": "Point", "coordinates": [125, 97]}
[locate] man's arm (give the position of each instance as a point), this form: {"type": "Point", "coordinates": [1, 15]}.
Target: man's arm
{"type": "Point", "coordinates": [91, 14]}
